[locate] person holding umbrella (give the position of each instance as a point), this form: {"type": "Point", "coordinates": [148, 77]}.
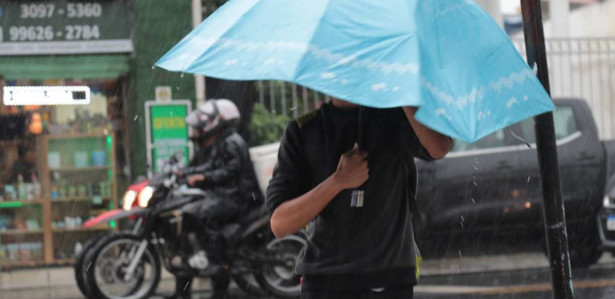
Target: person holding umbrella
{"type": "Point", "coordinates": [445, 65]}
{"type": "Point", "coordinates": [357, 193]}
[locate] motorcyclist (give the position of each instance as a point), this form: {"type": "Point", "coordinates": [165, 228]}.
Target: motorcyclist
{"type": "Point", "coordinates": [223, 168]}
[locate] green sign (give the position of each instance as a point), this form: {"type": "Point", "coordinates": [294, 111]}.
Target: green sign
{"type": "Point", "coordinates": [167, 132]}
{"type": "Point", "coordinates": [64, 27]}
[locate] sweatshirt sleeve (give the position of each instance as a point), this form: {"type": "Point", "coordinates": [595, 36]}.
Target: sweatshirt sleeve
{"type": "Point", "coordinates": [231, 166]}
{"type": "Point", "coordinates": [231, 156]}
{"type": "Point", "coordinates": [407, 138]}
{"type": "Point", "coordinates": [290, 174]}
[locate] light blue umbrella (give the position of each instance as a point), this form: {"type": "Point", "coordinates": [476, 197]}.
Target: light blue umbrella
{"type": "Point", "coordinates": [446, 56]}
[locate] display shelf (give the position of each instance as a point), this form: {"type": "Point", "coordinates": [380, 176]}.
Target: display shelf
{"type": "Point", "coordinates": [19, 203]}
{"type": "Point", "coordinates": [79, 169]}
{"type": "Point", "coordinates": [17, 232]}
{"type": "Point", "coordinates": [77, 199]}
{"type": "Point", "coordinates": [76, 135]}
{"type": "Point", "coordinates": [98, 212]}
{"type": "Point", "coordinates": [59, 180]}
{"type": "Point", "coordinates": [13, 142]}
{"type": "Point", "coordinates": [20, 264]}
{"type": "Point", "coordinates": [80, 229]}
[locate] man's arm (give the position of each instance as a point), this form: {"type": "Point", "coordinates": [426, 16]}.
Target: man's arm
{"type": "Point", "coordinates": [436, 144]}
{"type": "Point", "coordinates": [290, 216]}
{"type": "Point", "coordinates": [228, 171]}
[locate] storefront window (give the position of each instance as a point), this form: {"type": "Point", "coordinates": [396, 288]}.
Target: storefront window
{"type": "Point", "coordinates": [61, 171]}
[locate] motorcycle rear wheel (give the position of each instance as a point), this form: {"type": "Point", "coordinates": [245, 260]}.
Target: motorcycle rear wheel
{"type": "Point", "coordinates": [109, 261]}
{"type": "Point", "coordinates": [281, 280]}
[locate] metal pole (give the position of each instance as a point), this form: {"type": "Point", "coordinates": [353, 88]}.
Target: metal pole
{"type": "Point", "coordinates": [199, 81]}
{"type": "Point", "coordinates": [553, 205]}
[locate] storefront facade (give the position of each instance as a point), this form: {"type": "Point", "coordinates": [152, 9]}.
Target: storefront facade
{"type": "Point", "coordinates": [63, 164]}
{"type": "Point", "coordinates": [59, 161]}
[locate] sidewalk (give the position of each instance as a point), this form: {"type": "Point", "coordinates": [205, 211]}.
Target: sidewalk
{"type": "Point", "coordinates": [483, 264]}
{"type": "Point", "coordinates": [54, 283]}
{"type": "Point", "coordinates": [24, 283]}
{"type": "Point", "coordinates": [491, 263]}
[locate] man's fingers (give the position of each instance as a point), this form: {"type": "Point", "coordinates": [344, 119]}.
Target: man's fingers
{"type": "Point", "coordinates": [362, 154]}
{"type": "Point", "coordinates": [351, 152]}
{"type": "Point", "coordinates": [355, 150]}
{"type": "Point", "coordinates": [358, 153]}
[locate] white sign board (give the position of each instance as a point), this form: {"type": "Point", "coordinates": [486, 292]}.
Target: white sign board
{"type": "Point", "coordinates": [164, 93]}
{"type": "Point", "coordinates": [46, 95]}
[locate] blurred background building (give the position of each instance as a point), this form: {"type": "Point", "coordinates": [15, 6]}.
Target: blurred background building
{"type": "Point", "coordinates": [92, 151]}
{"type": "Point", "coordinates": [62, 164]}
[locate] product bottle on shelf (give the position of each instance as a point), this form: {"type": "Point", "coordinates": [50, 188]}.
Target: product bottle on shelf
{"type": "Point", "coordinates": [21, 188]}
{"type": "Point", "coordinates": [29, 191]}
{"type": "Point", "coordinates": [37, 187]}
{"type": "Point", "coordinates": [10, 193]}
{"type": "Point", "coordinates": [54, 191]}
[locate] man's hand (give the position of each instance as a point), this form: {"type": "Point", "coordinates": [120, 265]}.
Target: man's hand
{"type": "Point", "coordinates": [289, 217]}
{"type": "Point", "coordinates": [194, 179]}
{"type": "Point", "coordinates": [352, 170]}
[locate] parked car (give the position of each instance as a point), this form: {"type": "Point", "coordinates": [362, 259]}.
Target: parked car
{"type": "Point", "coordinates": [606, 218]}
{"type": "Point", "coordinates": [493, 186]}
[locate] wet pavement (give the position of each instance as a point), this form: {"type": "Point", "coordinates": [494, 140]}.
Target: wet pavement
{"type": "Point", "coordinates": [596, 282]}
{"type": "Point", "coordinates": [523, 275]}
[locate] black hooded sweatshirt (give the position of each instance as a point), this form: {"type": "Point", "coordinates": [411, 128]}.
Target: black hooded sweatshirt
{"type": "Point", "coordinates": [229, 172]}
{"type": "Point", "coordinates": [353, 248]}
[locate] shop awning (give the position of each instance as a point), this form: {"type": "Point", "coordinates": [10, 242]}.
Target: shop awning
{"type": "Point", "coordinates": [63, 67]}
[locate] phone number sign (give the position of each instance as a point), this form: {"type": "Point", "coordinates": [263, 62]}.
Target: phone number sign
{"type": "Point", "coordinates": [64, 27]}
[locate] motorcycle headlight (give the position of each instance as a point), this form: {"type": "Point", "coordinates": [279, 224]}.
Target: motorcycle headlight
{"type": "Point", "coordinates": [128, 199]}
{"type": "Point", "coordinates": [145, 196]}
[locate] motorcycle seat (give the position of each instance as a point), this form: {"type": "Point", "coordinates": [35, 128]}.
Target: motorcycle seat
{"type": "Point", "coordinates": [233, 232]}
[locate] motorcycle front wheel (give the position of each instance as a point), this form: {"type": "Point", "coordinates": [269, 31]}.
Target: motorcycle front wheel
{"type": "Point", "coordinates": [280, 278]}
{"type": "Point", "coordinates": [111, 260]}
{"type": "Point", "coordinates": [82, 264]}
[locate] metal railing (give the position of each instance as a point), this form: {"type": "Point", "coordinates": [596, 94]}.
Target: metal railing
{"type": "Point", "coordinates": [584, 68]}
{"type": "Point", "coordinates": [287, 98]}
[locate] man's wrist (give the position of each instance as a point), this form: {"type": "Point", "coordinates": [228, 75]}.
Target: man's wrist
{"type": "Point", "coordinates": [411, 109]}
{"type": "Point", "coordinates": [334, 184]}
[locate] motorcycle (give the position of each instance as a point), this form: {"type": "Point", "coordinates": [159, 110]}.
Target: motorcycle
{"type": "Point", "coordinates": [82, 263]}
{"type": "Point", "coordinates": [128, 264]}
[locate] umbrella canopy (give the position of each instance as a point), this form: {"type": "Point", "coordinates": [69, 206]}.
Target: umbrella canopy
{"type": "Point", "coordinates": [446, 56]}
